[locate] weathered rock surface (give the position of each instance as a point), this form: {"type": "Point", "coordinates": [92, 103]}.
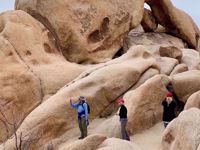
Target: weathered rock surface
{"type": "Point", "coordinates": [186, 83]}
{"type": "Point", "coordinates": [183, 132]}
{"type": "Point", "coordinates": [30, 63]}
{"type": "Point", "coordinates": [191, 59]}
{"type": "Point", "coordinates": [171, 51]}
{"type": "Point", "coordinates": [90, 143]}
{"type": "Point", "coordinates": [175, 20]}
{"type": "Point", "coordinates": [193, 101]}
{"type": "Point", "coordinates": [117, 144]}
{"type": "Point", "coordinates": [100, 142]}
{"type": "Point", "coordinates": [20, 89]}
{"type": "Point", "coordinates": [144, 103]}
{"type": "Point", "coordinates": [152, 41]}
{"type": "Point", "coordinates": [166, 64]}
{"type": "Point", "coordinates": [101, 87]}
{"type": "Point", "coordinates": [149, 22]}
{"type": "Point", "coordinates": [179, 69]}
{"type": "Point", "coordinates": [87, 31]}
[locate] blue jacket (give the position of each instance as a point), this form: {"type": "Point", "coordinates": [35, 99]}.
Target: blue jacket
{"type": "Point", "coordinates": [81, 108]}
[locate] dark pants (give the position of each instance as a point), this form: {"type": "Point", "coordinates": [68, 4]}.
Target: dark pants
{"type": "Point", "coordinates": [82, 126]}
{"type": "Point", "coordinates": [124, 133]}
{"type": "Point", "coordinates": [165, 124]}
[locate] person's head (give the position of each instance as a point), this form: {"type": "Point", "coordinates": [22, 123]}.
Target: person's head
{"type": "Point", "coordinates": [121, 102]}
{"type": "Point", "coordinates": [81, 99]}
{"type": "Point", "coordinates": [169, 97]}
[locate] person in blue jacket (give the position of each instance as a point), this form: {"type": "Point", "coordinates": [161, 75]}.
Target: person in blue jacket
{"type": "Point", "coordinates": [82, 110]}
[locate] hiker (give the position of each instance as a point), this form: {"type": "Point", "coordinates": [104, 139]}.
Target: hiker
{"type": "Point", "coordinates": [179, 104]}
{"type": "Point", "coordinates": [169, 106]}
{"type": "Point", "coordinates": [82, 109]}
{"type": "Point", "coordinates": [123, 119]}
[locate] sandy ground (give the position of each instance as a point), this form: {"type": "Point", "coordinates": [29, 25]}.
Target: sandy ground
{"type": "Point", "coordinates": [149, 139]}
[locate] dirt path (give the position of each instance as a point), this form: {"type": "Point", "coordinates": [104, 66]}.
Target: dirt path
{"type": "Point", "coordinates": [149, 139]}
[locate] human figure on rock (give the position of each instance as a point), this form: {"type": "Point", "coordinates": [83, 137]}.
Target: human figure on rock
{"type": "Point", "coordinates": [123, 119]}
{"type": "Point", "coordinates": [179, 103]}
{"type": "Point", "coordinates": [83, 111]}
{"type": "Point", "coordinates": [169, 106]}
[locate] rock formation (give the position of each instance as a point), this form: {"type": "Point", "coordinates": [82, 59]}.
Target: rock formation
{"type": "Point", "coordinates": [87, 31]}
{"type": "Point", "coordinates": [183, 132]}
{"type": "Point", "coordinates": [51, 51]}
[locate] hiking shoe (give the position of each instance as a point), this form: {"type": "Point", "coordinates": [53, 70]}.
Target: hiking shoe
{"type": "Point", "coordinates": [80, 138]}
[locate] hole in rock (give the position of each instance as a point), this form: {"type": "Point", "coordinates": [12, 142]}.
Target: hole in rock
{"type": "Point", "coordinates": [95, 36]}
{"type": "Point", "coordinates": [47, 48]}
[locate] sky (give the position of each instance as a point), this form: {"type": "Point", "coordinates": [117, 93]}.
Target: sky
{"type": "Point", "coordinates": [192, 7]}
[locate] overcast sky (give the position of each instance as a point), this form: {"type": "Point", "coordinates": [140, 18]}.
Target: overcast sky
{"type": "Point", "coordinates": [192, 7]}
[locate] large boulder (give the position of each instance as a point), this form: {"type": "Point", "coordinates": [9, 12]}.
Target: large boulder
{"type": "Point", "coordinates": [171, 51]}
{"type": "Point", "coordinates": [166, 64]}
{"type": "Point", "coordinates": [101, 87]}
{"type": "Point", "coordinates": [30, 63]}
{"type": "Point", "coordinates": [186, 83]}
{"type": "Point", "coordinates": [144, 104]}
{"type": "Point", "coordinates": [87, 31]}
{"type": "Point", "coordinates": [100, 142]}
{"type": "Point", "coordinates": [153, 41]}
{"type": "Point", "coordinates": [193, 101]}
{"type": "Point", "coordinates": [179, 69]}
{"type": "Point", "coordinates": [20, 89]}
{"type": "Point", "coordinates": [90, 143]}
{"type": "Point", "coordinates": [117, 144]}
{"type": "Point", "coordinates": [183, 132]}
{"type": "Point", "coordinates": [191, 59]}
{"type": "Point", "coordinates": [175, 20]}
{"type": "Point", "coordinates": [149, 22]}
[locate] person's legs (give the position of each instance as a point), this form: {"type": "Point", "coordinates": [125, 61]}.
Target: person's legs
{"type": "Point", "coordinates": [124, 133]}
{"type": "Point", "coordinates": [84, 126]}
{"type": "Point", "coordinates": [81, 128]}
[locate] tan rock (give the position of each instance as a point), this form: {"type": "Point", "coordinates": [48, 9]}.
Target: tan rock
{"type": "Point", "coordinates": [89, 31]}
{"type": "Point", "coordinates": [101, 87]}
{"type": "Point", "coordinates": [117, 144]}
{"type": "Point", "coordinates": [179, 69]}
{"type": "Point", "coordinates": [186, 83]}
{"type": "Point", "coordinates": [144, 104]}
{"type": "Point", "coordinates": [36, 47]}
{"type": "Point", "coordinates": [147, 75]}
{"type": "Point", "coordinates": [176, 20]}
{"type": "Point", "coordinates": [32, 66]}
{"type": "Point", "coordinates": [193, 101]}
{"type": "Point", "coordinates": [171, 51]}
{"type": "Point", "coordinates": [20, 89]}
{"type": "Point", "coordinates": [166, 64]}
{"type": "Point", "coordinates": [152, 41]}
{"type": "Point", "coordinates": [183, 132]}
{"type": "Point", "coordinates": [90, 143]}
{"type": "Point", "coordinates": [191, 59]}
{"type": "Point", "coordinates": [149, 22]}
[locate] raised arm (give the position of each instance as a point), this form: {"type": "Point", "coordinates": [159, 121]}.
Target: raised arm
{"type": "Point", "coordinates": [73, 105]}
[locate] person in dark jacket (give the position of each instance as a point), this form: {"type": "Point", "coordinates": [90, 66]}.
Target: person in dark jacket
{"type": "Point", "coordinates": [179, 104]}
{"type": "Point", "coordinates": [123, 119]}
{"type": "Point", "coordinates": [169, 106]}
{"type": "Point", "coordinates": [82, 110]}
